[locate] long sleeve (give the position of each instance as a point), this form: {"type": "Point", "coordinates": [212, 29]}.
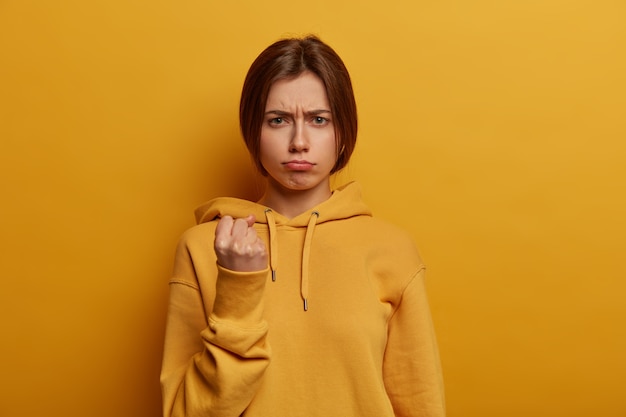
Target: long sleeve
{"type": "Point", "coordinates": [412, 369]}
{"type": "Point", "coordinates": [213, 365]}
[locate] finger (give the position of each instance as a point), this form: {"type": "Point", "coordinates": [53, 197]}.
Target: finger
{"type": "Point", "coordinates": [251, 246]}
{"type": "Point", "coordinates": [251, 237]}
{"type": "Point", "coordinates": [240, 228]}
{"type": "Point", "coordinates": [224, 226]}
{"type": "Point", "coordinates": [251, 220]}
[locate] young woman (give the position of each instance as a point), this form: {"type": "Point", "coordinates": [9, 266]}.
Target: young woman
{"type": "Point", "coordinates": [301, 304]}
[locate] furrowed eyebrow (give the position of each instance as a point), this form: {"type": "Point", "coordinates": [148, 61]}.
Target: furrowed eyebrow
{"type": "Point", "coordinates": [277, 113]}
{"type": "Point", "coordinates": [282, 113]}
{"type": "Point", "coordinates": [317, 112]}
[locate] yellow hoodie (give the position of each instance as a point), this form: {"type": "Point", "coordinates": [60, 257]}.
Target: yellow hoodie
{"type": "Point", "coordinates": [338, 325]}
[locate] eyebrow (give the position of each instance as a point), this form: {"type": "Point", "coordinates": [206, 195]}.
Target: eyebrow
{"type": "Point", "coordinates": [307, 113]}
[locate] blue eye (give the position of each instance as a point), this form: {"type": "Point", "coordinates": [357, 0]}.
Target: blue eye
{"type": "Point", "coordinates": [276, 121]}
{"type": "Point", "coordinates": [319, 120]}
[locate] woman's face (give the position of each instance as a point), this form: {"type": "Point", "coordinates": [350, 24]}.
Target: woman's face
{"type": "Point", "coordinates": [298, 145]}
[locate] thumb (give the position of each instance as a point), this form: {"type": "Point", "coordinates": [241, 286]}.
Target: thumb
{"type": "Point", "coordinates": [250, 220]}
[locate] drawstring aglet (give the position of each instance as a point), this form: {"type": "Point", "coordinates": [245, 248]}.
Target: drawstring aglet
{"type": "Point", "coordinates": [306, 305]}
{"type": "Point", "coordinates": [273, 275]}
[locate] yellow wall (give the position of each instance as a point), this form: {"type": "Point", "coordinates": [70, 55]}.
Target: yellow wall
{"type": "Point", "coordinates": [493, 130]}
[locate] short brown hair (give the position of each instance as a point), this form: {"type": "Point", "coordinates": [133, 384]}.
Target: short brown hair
{"type": "Point", "coordinates": [288, 58]}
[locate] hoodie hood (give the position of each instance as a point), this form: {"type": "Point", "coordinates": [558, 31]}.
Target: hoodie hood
{"type": "Point", "coordinates": [345, 202]}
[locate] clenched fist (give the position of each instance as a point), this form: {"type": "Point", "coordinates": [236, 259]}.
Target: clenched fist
{"type": "Point", "coordinates": [237, 245]}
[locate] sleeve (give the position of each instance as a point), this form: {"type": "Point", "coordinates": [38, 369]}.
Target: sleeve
{"type": "Point", "coordinates": [213, 366]}
{"type": "Point", "coordinates": [411, 367]}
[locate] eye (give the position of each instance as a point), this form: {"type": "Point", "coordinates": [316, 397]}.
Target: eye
{"type": "Point", "coordinates": [319, 120]}
{"type": "Point", "coordinates": [276, 121]}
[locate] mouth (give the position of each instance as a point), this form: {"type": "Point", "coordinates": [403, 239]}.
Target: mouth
{"type": "Point", "coordinates": [298, 165]}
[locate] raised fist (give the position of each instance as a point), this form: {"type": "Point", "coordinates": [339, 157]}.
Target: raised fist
{"type": "Point", "coordinates": [237, 245]}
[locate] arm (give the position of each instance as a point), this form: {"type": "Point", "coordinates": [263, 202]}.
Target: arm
{"type": "Point", "coordinates": [412, 370]}
{"type": "Point", "coordinates": [213, 365]}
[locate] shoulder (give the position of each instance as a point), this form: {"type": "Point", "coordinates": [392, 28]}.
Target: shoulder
{"type": "Point", "coordinates": [389, 237]}
{"type": "Point", "coordinates": [389, 252]}
{"type": "Point", "coordinates": [195, 259]}
{"type": "Point", "coordinates": [195, 245]}
{"type": "Point", "coordinates": [391, 255]}
{"type": "Point", "coordinates": [198, 234]}
{"type": "Point", "coordinates": [392, 230]}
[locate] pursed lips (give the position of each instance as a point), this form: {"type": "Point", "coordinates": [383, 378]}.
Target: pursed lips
{"type": "Point", "coordinates": [299, 165]}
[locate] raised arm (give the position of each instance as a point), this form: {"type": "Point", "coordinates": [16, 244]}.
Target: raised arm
{"type": "Point", "coordinates": [214, 365]}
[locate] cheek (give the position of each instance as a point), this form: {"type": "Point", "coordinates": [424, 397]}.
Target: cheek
{"type": "Point", "coordinates": [263, 154]}
{"type": "Point", "coordinates": [267, 155]}
{"type": "Point", "coordinates": [331, 145]}
{"type": "Point", "coordinates": [265, 149]}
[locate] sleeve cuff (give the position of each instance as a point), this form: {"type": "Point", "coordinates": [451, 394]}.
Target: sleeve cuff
{"type": "Point", "coordinates": [239, 297]}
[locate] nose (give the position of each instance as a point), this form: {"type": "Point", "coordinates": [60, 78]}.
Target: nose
{"type": "Point", "coordinates": [299, 141]}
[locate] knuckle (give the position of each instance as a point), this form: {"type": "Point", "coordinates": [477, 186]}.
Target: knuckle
{"type": "Point", "coordinates": [221, 244]}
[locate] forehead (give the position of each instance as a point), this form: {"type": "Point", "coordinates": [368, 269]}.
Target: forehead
{"type": "Point", "coordinates": [306, 90]}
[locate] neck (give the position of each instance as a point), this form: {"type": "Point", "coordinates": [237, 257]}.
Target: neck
{"type": "Point", "coordinates": [291, 203]}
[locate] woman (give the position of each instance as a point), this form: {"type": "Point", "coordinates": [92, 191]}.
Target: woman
{"type": "Point", "coordinates": [301, 304]}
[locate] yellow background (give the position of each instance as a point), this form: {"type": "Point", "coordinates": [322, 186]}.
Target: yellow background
{"type": "Point", "coordinates": [494, 131]}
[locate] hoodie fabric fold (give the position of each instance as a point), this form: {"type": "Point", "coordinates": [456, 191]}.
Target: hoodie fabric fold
{"type": "Point", "coordinates": [337, 325]}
